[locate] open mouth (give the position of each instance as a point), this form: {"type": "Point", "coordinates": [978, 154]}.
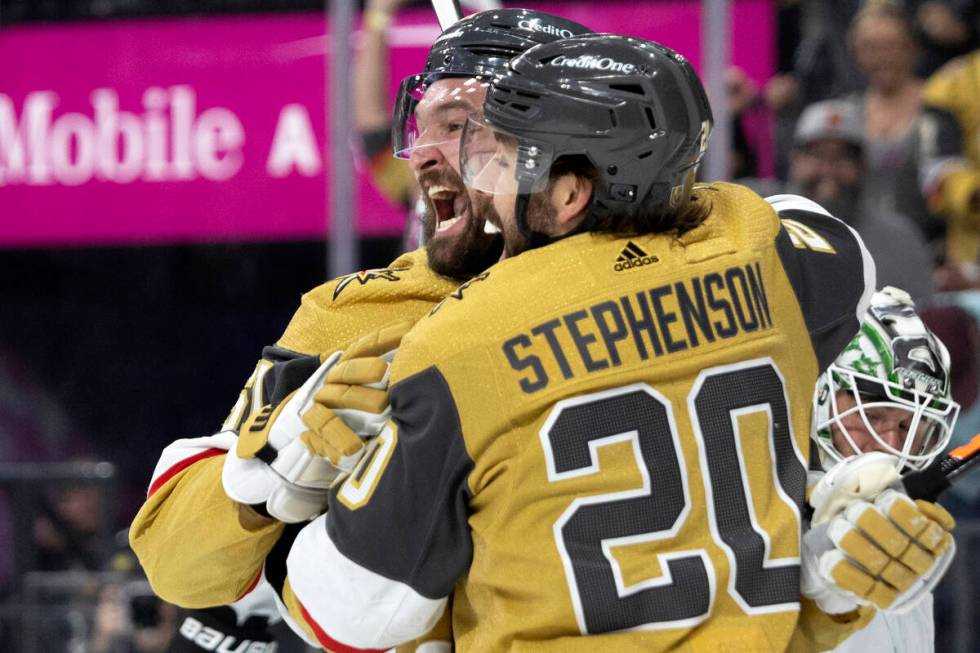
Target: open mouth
{"type": "Point", "coordinates": [449, 207]}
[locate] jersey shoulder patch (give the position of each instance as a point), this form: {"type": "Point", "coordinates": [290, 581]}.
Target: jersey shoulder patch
{"type": "Point", "coordinates": [333, 314]}
{"type": "Point", "coordinates": [364, 276]}
{"type": "Point", "coordinates": [457, 295]}
{"type": "Point", "coordinates": [408, 275]}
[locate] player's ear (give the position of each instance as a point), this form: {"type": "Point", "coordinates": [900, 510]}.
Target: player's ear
{"type": "Point", "coordinates": [571, 195]}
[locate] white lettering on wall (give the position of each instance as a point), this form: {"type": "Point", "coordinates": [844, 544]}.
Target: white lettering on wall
{"type": "Point", "coordinates": [155, 121]}
{"type": "Point", "coordinates": [168, 141]}
{"type": "Point", "coordinates": [294, 144]}
{"type": "Point", "coordinates": [181, 123]}
{"type": "Point", "coordinates": [72, 149]}
{"type": "Point", "coordinates": [218, 140]}
{"type": "Point", "coordinates": [120, 143]}
{"type": "Point", "coordinates": [20, 138]}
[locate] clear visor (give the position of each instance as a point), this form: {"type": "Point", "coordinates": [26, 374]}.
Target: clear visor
{"type": "Point", "coordinates": [914, 426]}
{"type": "Point", "coordinates": [431, 111]}
{"type": "Point", "coordinates": [496, 163]}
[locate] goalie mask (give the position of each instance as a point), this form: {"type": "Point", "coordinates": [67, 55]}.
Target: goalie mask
{"type": "Point", "coordinates": [634, 109]}
{"type": "Point", "coordinates": [478, 46]}
{"type": "Point", "coordinates": [889, 390]}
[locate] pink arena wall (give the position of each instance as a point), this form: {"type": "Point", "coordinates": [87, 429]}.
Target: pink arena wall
{"type": "Point", "coordinates": [203, 130]}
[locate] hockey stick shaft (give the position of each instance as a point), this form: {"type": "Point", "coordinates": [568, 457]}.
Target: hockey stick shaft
{"type": "Point", "coordinates": [932, 481]}
{"type": "Point", "coordinates": [448, 12]}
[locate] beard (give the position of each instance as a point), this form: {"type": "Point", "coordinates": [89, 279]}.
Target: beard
{"type": "Point", "coordinates": [843, 207]}
{"type": "Point", "coordinates": [541, 217]}
{"type": "Point", "coordinates": [840, 201]}
{"type": "Point", "coordinates": [469, 252]}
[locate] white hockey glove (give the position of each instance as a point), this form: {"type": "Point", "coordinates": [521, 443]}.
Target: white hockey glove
{"type": "Point", "coordinates": [289, 454]}
{"type": "Point", "coordinates": [870, 544]}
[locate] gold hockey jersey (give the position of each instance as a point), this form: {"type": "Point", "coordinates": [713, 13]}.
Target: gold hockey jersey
{"type": "Point", "coordinates": [599, 445]}
{"type": "Point", "coordinates": [189, 537]}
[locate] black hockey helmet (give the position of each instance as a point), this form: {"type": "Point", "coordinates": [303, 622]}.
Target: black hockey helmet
{"type": "Point", "coordinates": [481, 46]}
{"type": "Point", "coordinates": [634, 108]}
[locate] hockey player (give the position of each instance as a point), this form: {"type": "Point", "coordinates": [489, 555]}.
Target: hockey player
{"type": "Point", "coordinates": [892, 379]}
{"type": "Point", "coordinates": [889, 392]}
{"type": "Point", "coordinates": [598, 444]}
{"type": "Point", "coordinates": [201, 547]}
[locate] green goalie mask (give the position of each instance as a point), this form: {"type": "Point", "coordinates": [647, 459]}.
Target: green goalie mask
{"type": "Point", "coordinates": [889, 390]}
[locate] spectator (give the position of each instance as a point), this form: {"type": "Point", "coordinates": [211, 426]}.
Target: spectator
{"type": "Point", "coordinates": [68, 532]}
{"type": "Point", "coordinates": [827, 165]}
{"type": "Point", "coordinates": [372, 116]}
{"type": "Point", "coordinates": [813, 64]}
{"type": "Point", "coordinates": [946, 29]}
{"type": "Point", "coordinates": [34, 427]}
{"type": "Point", "coordinates": [130, 619]}
{"type": "Point", "coordinates": [822, 65]}
{"type": "Point", "coordinates": [954, 190]}
{"type": "Point", "coordinates": [902, 137]}
{"type": "Point", "coordinates": [752, 147]}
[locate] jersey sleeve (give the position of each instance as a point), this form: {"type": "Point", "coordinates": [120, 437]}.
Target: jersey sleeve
{"type": "Point", "coordinates": [197, 547]}
{"type": "Point", "coordinates": [376, 570]}
{"type": "Point", "coordinates": [201, 549]}
{"type": "Point", "coordinates": [830, 270]}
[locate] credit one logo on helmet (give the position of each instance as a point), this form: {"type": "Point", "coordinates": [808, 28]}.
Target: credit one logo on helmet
{"type": "Point", "coordinates": [537, 26]}
{"type": "Point", "coordinates": [593, 62]}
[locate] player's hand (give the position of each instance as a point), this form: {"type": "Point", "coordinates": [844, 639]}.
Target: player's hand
{"type": "Point", "coordinates": [357, 386]}
{"type": "Point", "coordinates": [288, 455]}
{"type": "Point", "coordinates": [879, 548]}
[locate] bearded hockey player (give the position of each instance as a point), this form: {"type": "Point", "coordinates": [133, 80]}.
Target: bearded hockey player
{"type": "Point", "coordinates": [202, 541]}
{"type": "Point", "coordinates": [586, 455]}
{"type": "Point", "coordinates": [887, 397]}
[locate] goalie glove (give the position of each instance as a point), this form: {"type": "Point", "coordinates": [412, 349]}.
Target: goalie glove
{"type": "Point", "coordinates": [289, 454]}
{"type": "Point", "coordinates": [870, 544]}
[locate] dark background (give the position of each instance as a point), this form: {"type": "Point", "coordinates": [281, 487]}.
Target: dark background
{"type": "Point", "coordinates": [143, 345]}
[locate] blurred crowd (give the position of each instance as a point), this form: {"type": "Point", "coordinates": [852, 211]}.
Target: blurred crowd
{"type": "Point", "coordinates": [874, 113]}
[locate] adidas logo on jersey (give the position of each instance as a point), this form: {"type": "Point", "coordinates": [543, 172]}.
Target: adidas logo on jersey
{"type": "Point", "coordinates": [633, 256]}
